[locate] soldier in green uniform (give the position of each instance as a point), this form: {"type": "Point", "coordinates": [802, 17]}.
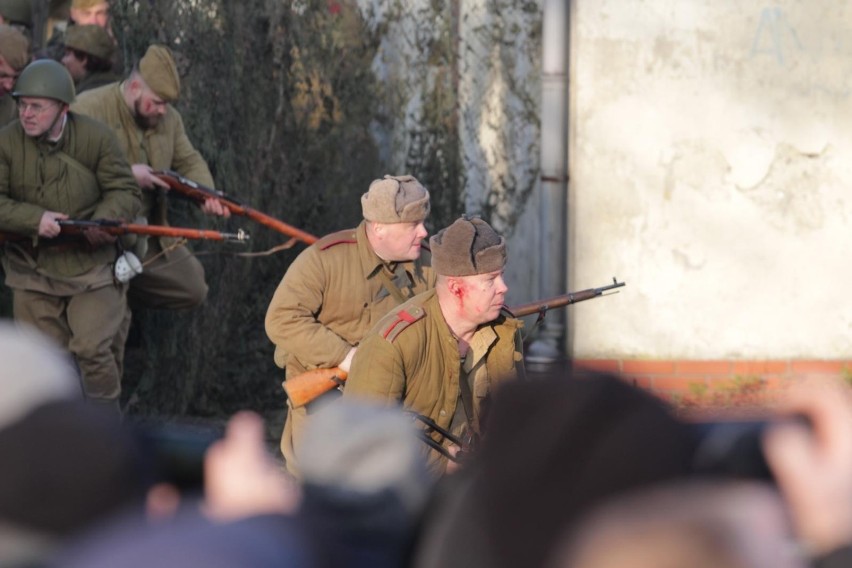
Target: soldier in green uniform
{"type": "Point", "coordinates": [441, 353]}
{"type": "Point", "coordinates": [88, 57]}
{"type": "Point", "coordinates": [56, 164]}
{"type": "Point", "coordinates": [340, 286]}
{"type": "Point", "coordinates": [14, 56]}
{"type": "Point", "coordinates": [151, 134]}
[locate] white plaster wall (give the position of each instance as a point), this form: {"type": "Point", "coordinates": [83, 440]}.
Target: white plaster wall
{"type": "Point", "coordinates": [711, 167]}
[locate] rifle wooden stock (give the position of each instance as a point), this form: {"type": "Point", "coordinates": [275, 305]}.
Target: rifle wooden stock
{"type": "Point", "coordinates": [198, 192]}
{"type": "Point", "coordinates": [541, 306]}
{"type": "Point", "coordinates": [304, 388]}
{"type": "Point", "coordinates": [73, 227]}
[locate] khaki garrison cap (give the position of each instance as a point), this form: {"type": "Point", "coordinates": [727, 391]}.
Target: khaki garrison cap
{"type": "Point", "coordinates": [92, 40]}
{"type": "Point", "coordinates": [159, 71]}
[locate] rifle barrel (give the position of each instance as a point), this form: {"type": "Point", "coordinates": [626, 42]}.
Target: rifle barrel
{"type": "Point", "coordinates": [562, 300]}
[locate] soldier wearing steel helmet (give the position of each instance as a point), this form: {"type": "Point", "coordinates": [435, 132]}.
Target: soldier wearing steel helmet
{"type": "Point", "coordinates": [56, 164]}
{"type": "Point", "coordinates": [88, 57]}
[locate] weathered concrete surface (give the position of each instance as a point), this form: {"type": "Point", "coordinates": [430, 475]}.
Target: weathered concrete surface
{"type": "Point", "coordinates": [711, 168]}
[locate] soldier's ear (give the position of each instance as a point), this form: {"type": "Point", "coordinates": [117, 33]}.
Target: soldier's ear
{"type": "Point", "coordinates": [454, 285]}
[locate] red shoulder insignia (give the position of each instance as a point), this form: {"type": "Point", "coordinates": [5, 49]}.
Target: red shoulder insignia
{"type": "Point", "coordinates": [338, 238]}
{"type": "Point", "coordinates": [403, 319]}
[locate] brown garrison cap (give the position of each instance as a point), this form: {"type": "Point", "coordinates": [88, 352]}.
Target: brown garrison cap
{"type": "Point", "coordinates": [159, 71]}
{"type": "Point", "coordinates": [467, 247]}
{"type": "Point", "coordinates": [14, 47]}
{"type": "Point", "coordinates": [93, 40]}
{"type": "Point", "coordinates": [86, 4]}
{"type": "Point", "coordinates": [395, 199]}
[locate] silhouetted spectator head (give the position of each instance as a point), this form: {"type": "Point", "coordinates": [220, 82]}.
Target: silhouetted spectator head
{"type": "Point", "coordinates": [66, 463]}
{"type": "Point", "coordinates": [365, 483]}
{"type": "Point", "coordinates": [552, 449]}
{"type": "Point", "coordinates": [706, 524]}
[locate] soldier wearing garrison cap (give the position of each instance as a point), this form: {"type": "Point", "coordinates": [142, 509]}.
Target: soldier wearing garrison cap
{"type": "Point", "coordinates": [88, 57]}
{"type": "Point", "coordinates": [442, 353]}
{"type": "Point", "coordinates": [340, 286]}
{"type": "Point", "coordinates": [151, 133]}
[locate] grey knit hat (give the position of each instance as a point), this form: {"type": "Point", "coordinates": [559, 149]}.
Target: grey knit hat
{"type": "Point", "coordinates": [395, 199]}
{"type": "Point", "coordinates": [469, 246]}
{"type": "Point", "coordinates": [360, 448]}
{"type": "Point", "coordinates": [34, 372]}
{"type": "Point", "coordinates": [159, 71]}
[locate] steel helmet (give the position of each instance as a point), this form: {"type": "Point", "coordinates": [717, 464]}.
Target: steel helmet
{"type": "Point", "coordinates": [45, 78]}
{"type": "Point", "coordinates": [17, 12]}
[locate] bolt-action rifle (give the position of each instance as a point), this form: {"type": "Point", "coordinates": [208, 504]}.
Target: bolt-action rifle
{"type": "Point", "coordinates": [76, 227]}
{"type": "Point", "coordinates": [198, 192]}
{"type": "Point", "coordinates": [305, 387]}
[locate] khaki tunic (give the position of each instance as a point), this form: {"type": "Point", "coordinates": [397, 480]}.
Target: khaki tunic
{"type": "Point", "coordinates": [331, 295]}
{"type": "Point", "coordinates": [37, 176]}
{"type": "Point", "coordinates": [164, 147]}
{"type": "Point", "coordinates": [411, 357]}
{"type": "Point", "coordinates": [67, 292]}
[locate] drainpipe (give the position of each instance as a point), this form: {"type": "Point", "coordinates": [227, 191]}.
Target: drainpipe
{"type": "Point", "coordinates": [549, 345]}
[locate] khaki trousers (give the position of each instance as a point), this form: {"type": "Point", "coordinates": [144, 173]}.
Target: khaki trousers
{"type": "Point", "coordinates": [172, 281]}
{"type": "Point", "coordinates": [85, 324]}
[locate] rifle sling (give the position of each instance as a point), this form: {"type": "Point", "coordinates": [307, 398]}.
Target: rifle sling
{"type": "Point", "coordinates": [467, 398]}
{"type": "Point", "coordinates": [390, 286]}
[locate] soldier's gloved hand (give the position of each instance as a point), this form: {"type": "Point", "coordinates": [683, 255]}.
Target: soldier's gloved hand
{"type": "Point", "coordinates": [214, 207]}
{"type": "Point", "coordinates": [145, 177]}
{"type": "Point", "coordinates": [47, 226]}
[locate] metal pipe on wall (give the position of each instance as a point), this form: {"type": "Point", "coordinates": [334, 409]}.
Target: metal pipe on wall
{"type": "Point", "coordinates": [549, 346]}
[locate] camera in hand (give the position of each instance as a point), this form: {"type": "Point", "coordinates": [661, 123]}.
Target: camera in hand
{"type": "Point", "coordinates": [178, 451]}
{"type": "Point", "coordinates": [734, 448]}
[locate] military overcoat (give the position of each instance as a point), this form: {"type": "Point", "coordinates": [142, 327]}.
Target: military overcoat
{"type": "Point", "coordinates": [83, 175]}
{"type": "Point", "coordinates": [412, 357]}
{"type": "Point", "coordinates": [332, 294]}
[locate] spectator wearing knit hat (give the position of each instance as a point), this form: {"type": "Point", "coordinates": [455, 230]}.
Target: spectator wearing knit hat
{"type": "Point", "coordinates": [151, 133]}
{"type": "Point", "coordinates": [88, 57]}
{"type": "Point", "coordinates": [442, 353]}
{"type": "Point", "coordinates": [14, 56]}
{"type": "Point", "coordinates": [340, 286]}
{"type": "Point", "coordinates": [67, 464]}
